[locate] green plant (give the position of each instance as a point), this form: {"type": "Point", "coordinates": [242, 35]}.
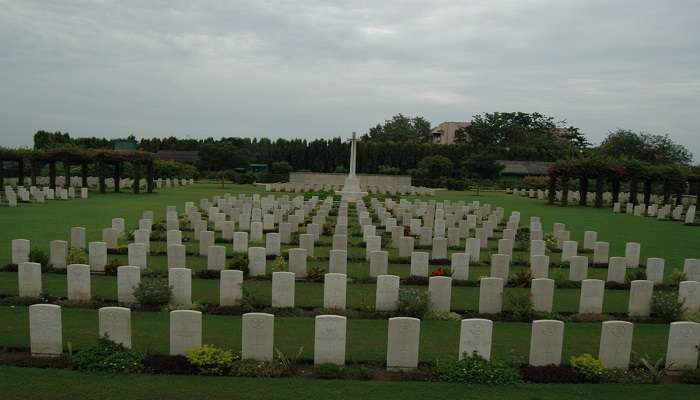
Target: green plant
{"type": "Point", "coordinates": [315, 274]}
{"type": "Point", "coordinates": [211, 360]}
{"type": "Point", "coordinates": [691, 376]}
{"type": "Point", "coordinates": [413, 302]}
{"type": "Point", "coordinates": [666, 306]}
{"type": "Point", "coordinates": [520, 279]}
{"type": "Point", "coordinates": [589, 367]}
{"type": "Point", "coordinates": [279, 265]}
{"type": "Point", "coordinates": [112, 266]}
{"type": "Point", "coordinates": [288, 362]}
{"type": "Point", "coordinates": [108, 356]}
{"type": "Point", "coordinates": [239, 261]}
{"type": "Point", "coordinates": [656, 370]}
{"type": "Point", "coordinates": [153, 291]}
{"type": "Point", "coordinates": [76, 255]}
{"type": "Point", "coordinates": [39, 257]}
{"type": "Point", "coordinates": [630, 376]}
{"type": "Point", "coordinates": [520, 303]}
{"type": "Point", "coordinates": [249, 301]}
{"type": "Point", "coordinates": [676, 277]}
{"type": "Point", "coordinates": [442, 316]}
{"type": "Point", "coordinates": [635, 275]}
{"type": "Point", "coordinates": [474, 369]}
{"type": "Point", "coordinates": [258, 369]}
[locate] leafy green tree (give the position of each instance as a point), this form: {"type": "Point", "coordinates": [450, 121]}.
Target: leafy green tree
{"type": "Point", "coordinates": [281, 167]}
{"type": "Point", "coordinates": [436, 166]}
{"type": "Point", "coordinates": [518, 135]}
{"type": "Point", "coordinates": [650, 148]}
{"type": "Point", "coordinates": [480, 168]}
{"type": "Point", "coordinates": [400, 128]}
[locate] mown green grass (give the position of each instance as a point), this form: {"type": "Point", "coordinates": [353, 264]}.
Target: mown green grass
{"type": "Point", "coordinates": [310, 294]}
{"type": "Point", "coordinates": [366, 339]}
{"type": "Point", "coordinates": [32, 383]}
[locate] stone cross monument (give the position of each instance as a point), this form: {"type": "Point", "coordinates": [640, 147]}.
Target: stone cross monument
{"type": "Point", "coordinates": [351, 190]}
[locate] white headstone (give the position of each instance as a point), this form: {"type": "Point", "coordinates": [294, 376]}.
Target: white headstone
{"type": "Point", "coordinates": [185, 331]}
{"type": "Point", "coordinates": [115, 324]}
{"type": "Point", "coordinates": [546, 342]}
{"type": "Point", "coordinates": [475, 337]}
{"type": "Point", "coordinates": [329, 340]}
{"type": "Point", "coordinates": [403, 342]}
{"type": "Point", "coordinates": [45, 330]}
{"type": "Point", "coordinates": [258, 336]}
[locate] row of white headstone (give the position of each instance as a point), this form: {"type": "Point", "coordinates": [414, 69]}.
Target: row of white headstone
{"type": "Point", "coordinates": [40, 195]}
{"type": "Point", "coordinates": [685, 211]}
{"type": "Point", "coordinates": [403, 343]}
{"type": "Point", "coordinates": [335, 290]}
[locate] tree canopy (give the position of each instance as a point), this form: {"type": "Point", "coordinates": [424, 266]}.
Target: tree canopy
{"type": "Point", "coordinates": [650, 148]}
{"type": "Point", "coordinates": [400, 128]}
{"type": "Point", "coordinates": [521, 136]}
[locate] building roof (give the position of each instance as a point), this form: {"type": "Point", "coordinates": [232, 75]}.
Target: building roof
{"type": "Point", "coordinates": [186, 156]}
{"type": "Point", "coordinates": [525, 167]}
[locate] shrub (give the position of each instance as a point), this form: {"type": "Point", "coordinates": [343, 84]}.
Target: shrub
{"type": "Point", "coordinates": [588, 367]}
{"type": "Point", "coordinates": [210, 360]}
{"type": "Point", "coordinates": [520, 278]}
{"type": "Point", "coordinates": [327, 229]}
{"type": "Point", "coordinates": [388, 170]}
{"type": "Point", "coordinates": [39, 257]}
{"type": "Point", "coordinates": [315, 274]}
{"type": "Point", "coordinates": [281, 167]}
{"type": "Point", "coordinates": [258, 369]}
{"type": "Point", "coordinates": [631, 376]}
{"type": "Point", "coordinates": [153, 291]}
{"type": "Point", "coordinates": [665, 305]}
{"type": "Point", "coordinates": [474, 369]}
{"type": "Point", "coordinates": [239, 261]}
{"type": "Point", "coordinates": [108, 356]}
{"type": "Point", "coordinates": [676, 277]}
{"type": "Point", "coordinates": [635, 275]}
{"type": "Point", "coordinates": [440, 272]}
{"type": "Point", "coordinates": [249, 301]}
{"type": "Point", "coordinates": [279, 265]}
{"type": "Point", "coordinates": [76, 255]}
{"type": "Point", "coordinates": [442, 316]}
{"type": "Point", "coordinates": [691, 376]}
{"type": "Point", "coordinates": [111, 267]}
{"type": "Point", "coordinates": [413, 302]}
{"type": "Point", "coordinates": [520, 303]}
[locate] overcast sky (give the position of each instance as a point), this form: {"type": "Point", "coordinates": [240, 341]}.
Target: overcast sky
{"type": "Point", "coordinates": [287, 69]}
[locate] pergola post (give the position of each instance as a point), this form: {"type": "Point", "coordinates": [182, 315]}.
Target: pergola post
{"type": "Point", "coordinates": [564, 190]}
{"type": "Point", "coordinates": [552, 195]}
{"type": "Point", "coordinates": [137, 177]}
{"type": "Point", "coordinates": [52, 174]}
{"type": "Point", "coordinates": [599, 188]}
{"type": "Point", "coordinates": [117, 176]}
{"type": "Point", "coordinates": [20, 172]}
{"type": "Point", "coordinates": [84, 173]}
{"type": "Point", "coordinates": [66, 173]}
{"type": "Point", "coordinates": [149, 176]}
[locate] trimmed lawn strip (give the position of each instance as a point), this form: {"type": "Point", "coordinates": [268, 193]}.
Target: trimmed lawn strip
{"type": "Point", "coordinates": [310, 294]}
{"type": "Point", "coordinates": [366, 339]}
{"type": "Point", "coordinates": [34, 383]}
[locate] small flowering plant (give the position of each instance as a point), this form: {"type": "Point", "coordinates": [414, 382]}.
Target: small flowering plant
{"type": "Point", "coordinates": [440, 272]}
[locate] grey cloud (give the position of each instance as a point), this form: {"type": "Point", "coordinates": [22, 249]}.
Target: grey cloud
{"type": "Point", "coordinates": [321, 69]}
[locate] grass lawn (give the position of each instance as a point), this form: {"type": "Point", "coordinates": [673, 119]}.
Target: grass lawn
{"type": "Point", "coordinates": [310, 294]}
{"type": "Point", "coordinates": [32, 383]}
{"type": "Point", "coordinates": [366, 338]}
